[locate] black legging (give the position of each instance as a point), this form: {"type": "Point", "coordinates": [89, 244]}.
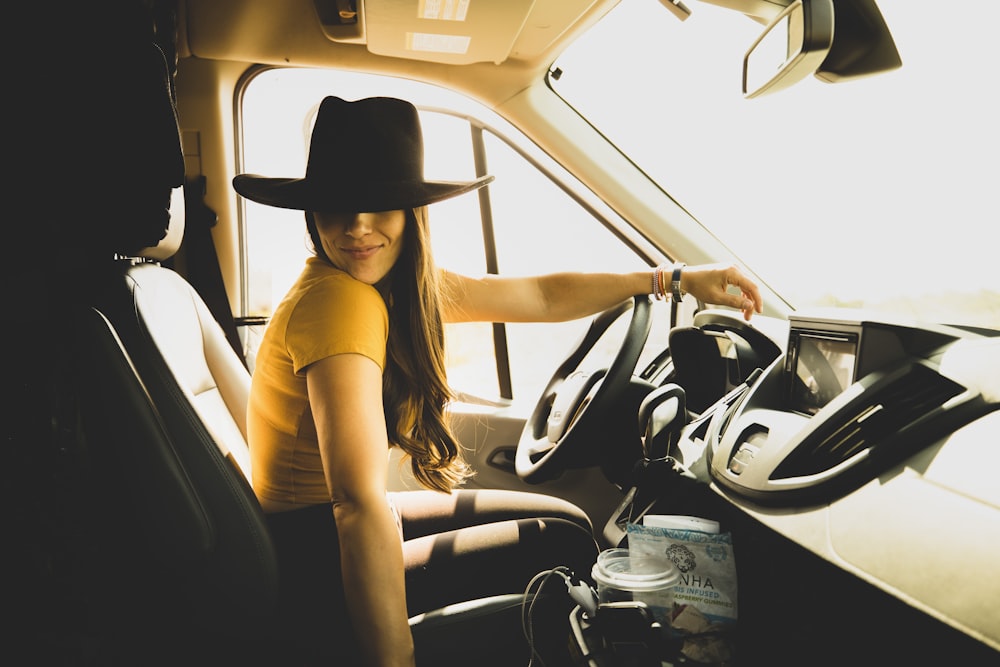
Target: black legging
{"type": "Point", "coordinates": [470, 544]}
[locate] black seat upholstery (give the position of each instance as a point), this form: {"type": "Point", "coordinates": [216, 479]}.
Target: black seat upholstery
{"type": "Point", "coordinates": [163, 398]}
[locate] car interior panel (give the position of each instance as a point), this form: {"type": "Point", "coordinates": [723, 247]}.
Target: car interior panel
{"type": "Point", "coordinates": [843, 440]}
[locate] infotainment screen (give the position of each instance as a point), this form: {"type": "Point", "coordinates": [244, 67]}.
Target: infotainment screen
{"type": "Point", "coordinates": [822, 367]}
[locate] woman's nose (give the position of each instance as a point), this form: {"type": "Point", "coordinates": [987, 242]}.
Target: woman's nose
{"type": "Point", "coordinates": [359, 225]}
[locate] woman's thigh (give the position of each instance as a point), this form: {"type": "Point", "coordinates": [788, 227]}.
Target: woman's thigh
{"type": "Point", "coordinates": [429, 512]}
{"type": "Point", "coordinates": [491, 559]}
{"type": "Point", "coordinates": [312, 614]}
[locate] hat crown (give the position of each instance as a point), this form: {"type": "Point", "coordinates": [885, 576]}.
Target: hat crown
{"type": "Point", "coordinates": [373, 140]}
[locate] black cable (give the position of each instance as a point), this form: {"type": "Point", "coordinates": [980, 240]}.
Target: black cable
{"type": "Point", "coordinates": [528, 608]}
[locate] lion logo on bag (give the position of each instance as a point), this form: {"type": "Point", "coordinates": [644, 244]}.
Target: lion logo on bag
{"type": "Point", "coordinates": [682, 557]}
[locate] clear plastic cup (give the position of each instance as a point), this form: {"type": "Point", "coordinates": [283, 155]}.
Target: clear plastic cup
{"type": "Point", "coordinates": [622, 576]}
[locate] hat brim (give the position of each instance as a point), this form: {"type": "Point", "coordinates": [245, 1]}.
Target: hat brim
{"type": "Point", "coordinates": [304, 195]}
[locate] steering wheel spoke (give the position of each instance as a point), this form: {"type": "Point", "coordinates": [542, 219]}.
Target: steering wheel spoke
{"type": "Point", "coordinates": [539, 449]}
{"type": "Point", "coordinates": [572, 397]}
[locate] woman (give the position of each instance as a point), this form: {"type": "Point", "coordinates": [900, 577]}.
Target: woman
{"type": "Point", "coordinates": [352, 364]}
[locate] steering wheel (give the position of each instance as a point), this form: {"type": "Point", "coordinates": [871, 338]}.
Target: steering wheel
{"type": "Point", "coordinates": [759, 350]}
{"type": "Point", "coordinates": [567, 417]}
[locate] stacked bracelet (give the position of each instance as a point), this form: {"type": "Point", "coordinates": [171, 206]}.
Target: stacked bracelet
{"type": "Point", "coordinates": [659, 289]}
{"type": "Point", "coordinates": [659, 293]}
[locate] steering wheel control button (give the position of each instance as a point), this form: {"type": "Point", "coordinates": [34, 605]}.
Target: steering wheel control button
{"type": "Point", "coordinates": [572, 399]}
{"type": "Point", "coordinates": [743, 458]}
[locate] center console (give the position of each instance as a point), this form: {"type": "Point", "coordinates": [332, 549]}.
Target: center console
{"type": "Point", "coordinates": [849, 398]}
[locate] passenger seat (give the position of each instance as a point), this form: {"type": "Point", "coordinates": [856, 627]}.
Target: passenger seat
{"type": "Point", "coordinates": [163, 401]}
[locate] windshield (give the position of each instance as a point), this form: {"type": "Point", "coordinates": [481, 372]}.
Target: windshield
{"type": "Point", "coordinates": [874, 193]}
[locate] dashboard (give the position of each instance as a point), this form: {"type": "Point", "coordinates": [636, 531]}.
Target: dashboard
{"type": "Point", "coordinates": [870, 442]}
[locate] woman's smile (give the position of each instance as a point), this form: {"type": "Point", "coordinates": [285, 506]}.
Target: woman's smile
{"type": "Point", "coordinates": [365, 245]}
{"type": "Point", "coordinates": [361, 253]}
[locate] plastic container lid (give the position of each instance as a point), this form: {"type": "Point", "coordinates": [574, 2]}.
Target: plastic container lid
{"type": "Point", "coordinates": [617, 568]}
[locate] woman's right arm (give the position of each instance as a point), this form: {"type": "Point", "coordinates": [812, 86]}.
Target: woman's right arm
{"type": "Point", "coordinates": [345, 395]}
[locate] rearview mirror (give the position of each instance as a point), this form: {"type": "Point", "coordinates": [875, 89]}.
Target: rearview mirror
{"type": "Point", "coordinates": [792, 47]}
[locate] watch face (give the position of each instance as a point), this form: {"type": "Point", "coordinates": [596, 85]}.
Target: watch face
{"type": "Point", "coordinates": [675, 283]}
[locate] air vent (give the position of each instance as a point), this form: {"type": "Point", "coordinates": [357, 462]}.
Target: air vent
{"type": "Point", "coordinates": [903, 403]}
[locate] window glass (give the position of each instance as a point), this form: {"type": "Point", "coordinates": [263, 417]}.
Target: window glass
{"type": "Point", "coordinates": [876, 192]}
{"type": "Point", "coordinates": [539, 229]}
{"type": "Point", "coordinates": [537, 226]}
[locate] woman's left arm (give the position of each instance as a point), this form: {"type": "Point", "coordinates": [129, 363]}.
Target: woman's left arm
{"type": "Point", "coordinates": [558, 297]}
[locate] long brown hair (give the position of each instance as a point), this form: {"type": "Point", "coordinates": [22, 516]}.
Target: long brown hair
{"type": "Point", "coordinates": [415, 390]}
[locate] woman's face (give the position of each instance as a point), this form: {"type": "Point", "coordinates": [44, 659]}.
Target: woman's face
{"type": "Point", "coordinates": [365, 245]}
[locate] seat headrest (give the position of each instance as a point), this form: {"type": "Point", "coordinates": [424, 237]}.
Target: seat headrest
{"type": "Point", "coordinates": [171, 243]}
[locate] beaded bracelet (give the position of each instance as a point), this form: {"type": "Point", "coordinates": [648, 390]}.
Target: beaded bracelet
{"type": "Point", "coordinates": [659, 293]}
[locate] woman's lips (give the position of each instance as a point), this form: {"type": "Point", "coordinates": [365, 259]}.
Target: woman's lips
{"type": "Point", "coordinates": [361, 253]}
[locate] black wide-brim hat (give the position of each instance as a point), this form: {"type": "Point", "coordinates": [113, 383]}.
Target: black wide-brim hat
{"type": "Point", "coordinates": [364, 156]}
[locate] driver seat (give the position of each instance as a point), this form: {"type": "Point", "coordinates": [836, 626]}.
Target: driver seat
{"type": "Point", "coordinates": [189, 565]}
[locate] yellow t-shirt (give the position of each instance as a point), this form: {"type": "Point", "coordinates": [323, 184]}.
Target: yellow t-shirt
{"type": "Point", "coordinates": [327, 312]}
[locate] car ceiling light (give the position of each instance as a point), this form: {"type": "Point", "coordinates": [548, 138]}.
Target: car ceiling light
{"type": "Point", "coordinates": [456, 32]}
{"type": "Point", "coordinates": [443, 10]}
{"type": "Point", "coordinates": [428, 42]}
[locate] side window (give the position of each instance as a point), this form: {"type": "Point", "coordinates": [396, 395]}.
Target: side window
{"type": "Point", "coordinates": [538, 229]}
{"type": "Point", "coordinates": [529, 222]}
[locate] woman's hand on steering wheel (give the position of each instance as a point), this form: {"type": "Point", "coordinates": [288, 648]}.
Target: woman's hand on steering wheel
{"type": "Point", "coordinates": [711, 283]}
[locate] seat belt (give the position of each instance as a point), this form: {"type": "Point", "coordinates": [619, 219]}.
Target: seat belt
{"type": "Point", "coordinates": [198, 261]}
